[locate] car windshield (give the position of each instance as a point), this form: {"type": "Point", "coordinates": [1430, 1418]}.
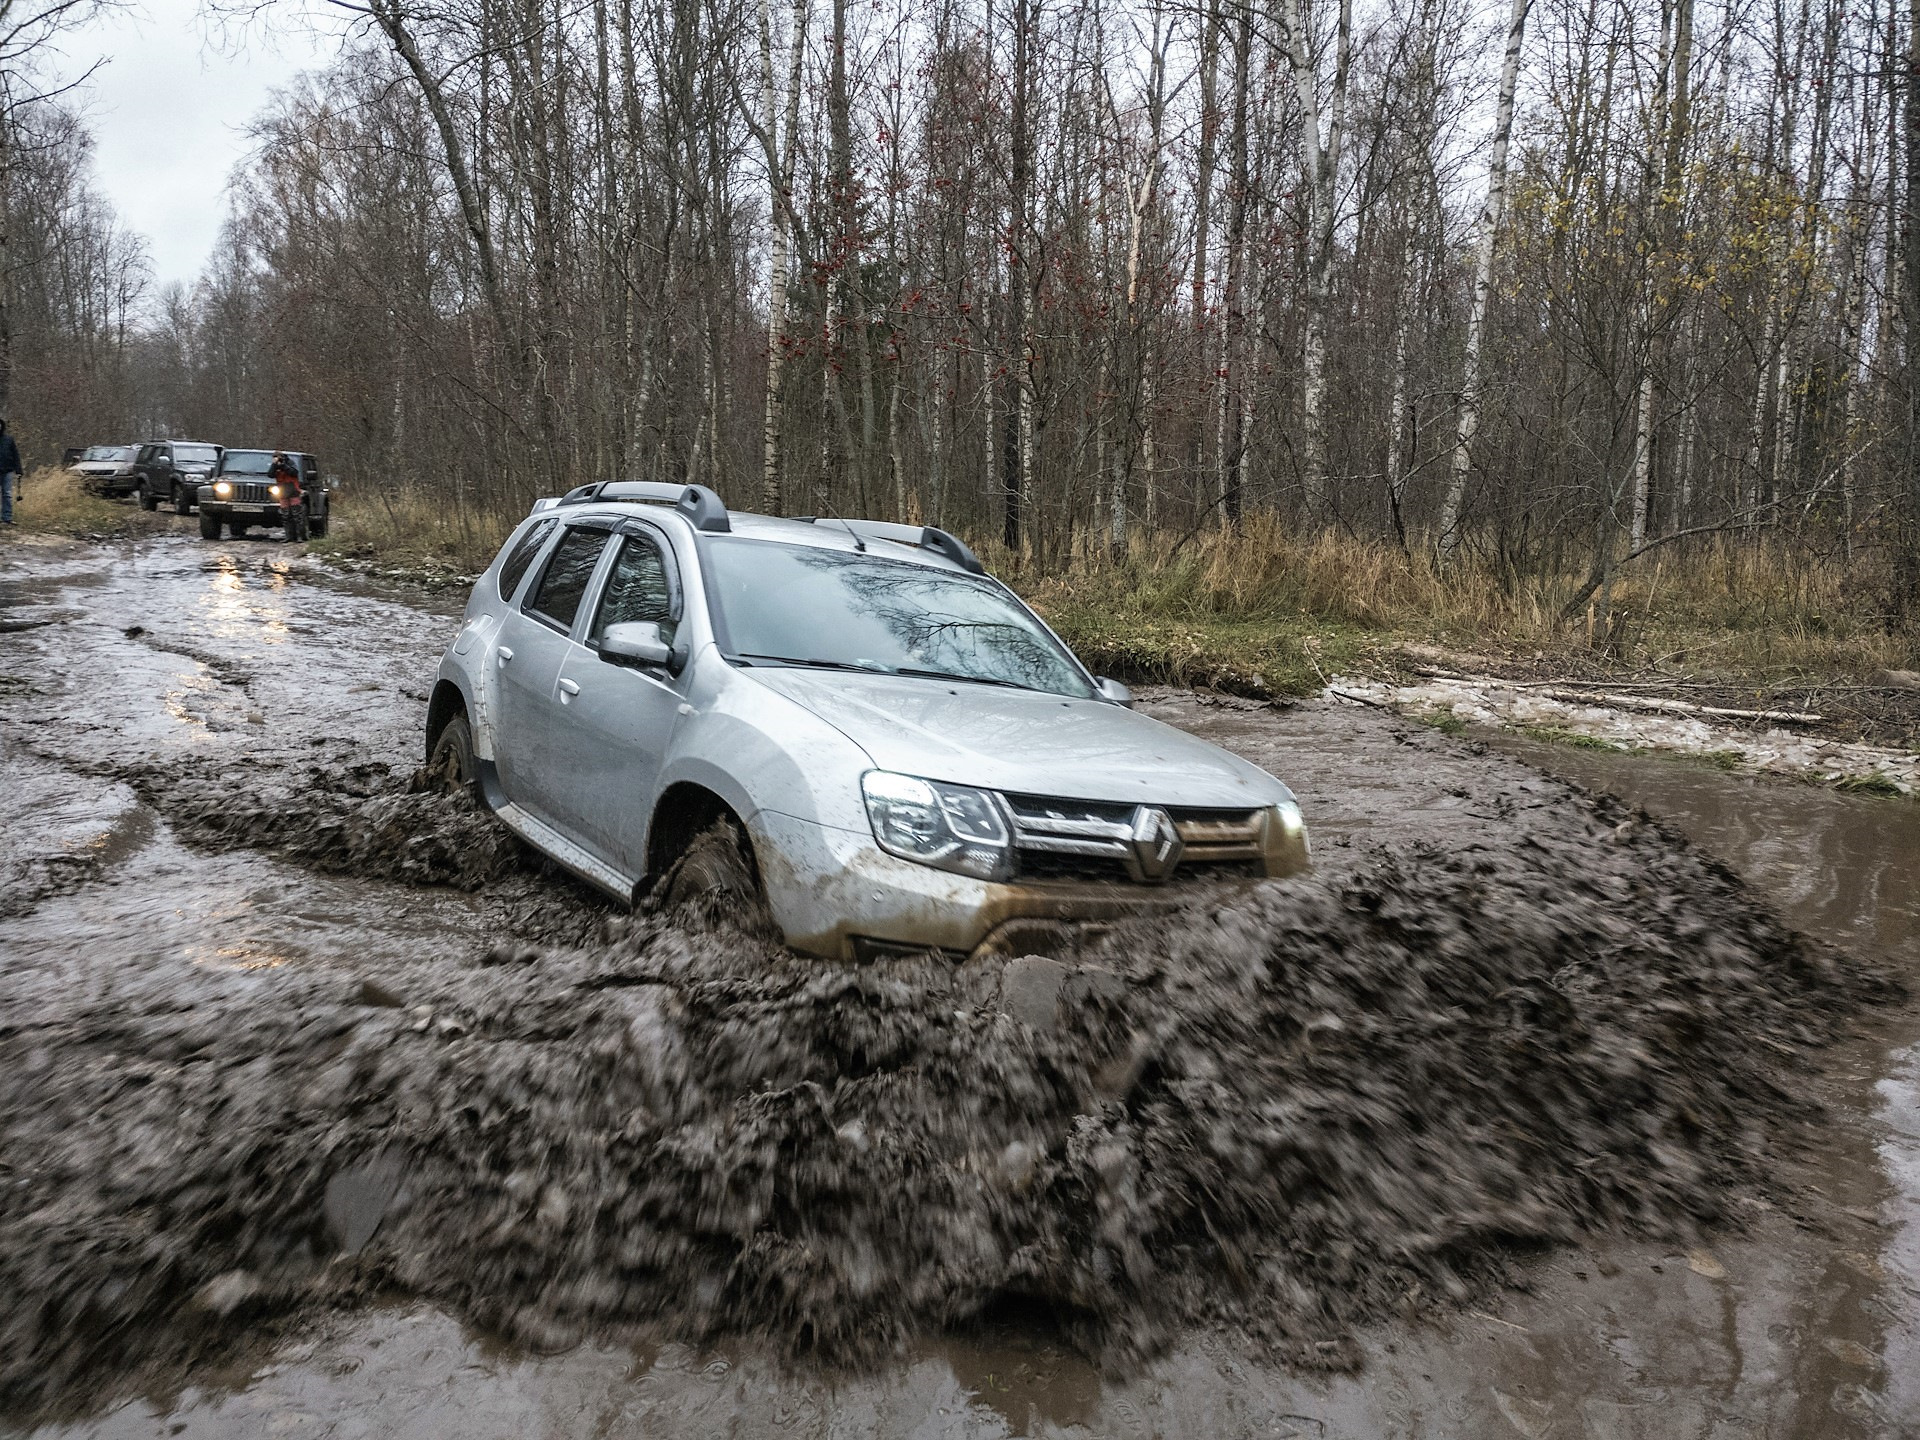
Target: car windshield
{"type": "Point", "coordinates": [246, 462]}
{"type": "Point", "coordinates": [799, 605]}
{"type": "Point", "coordinates": [117, 452]}
{"type": "Point", "coordinates": [195, 454]}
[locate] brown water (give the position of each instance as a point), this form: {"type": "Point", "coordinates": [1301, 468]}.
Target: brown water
{"type": "Point", "coordinates": [1808, 1324]}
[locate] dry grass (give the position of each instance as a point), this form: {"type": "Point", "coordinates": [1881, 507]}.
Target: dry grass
{"type": "Point", "coordinates": [1265, 609]}
{"type": "Point", "coordinates": [1268, 611]}
{"type": "Point", "coordinates": [414, 531]}
{"type": "Point", "coordinates": [54, 502]}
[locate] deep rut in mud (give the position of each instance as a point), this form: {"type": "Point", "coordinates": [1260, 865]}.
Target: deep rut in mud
{"type": "Point", "coordinates": [1528, 1017]}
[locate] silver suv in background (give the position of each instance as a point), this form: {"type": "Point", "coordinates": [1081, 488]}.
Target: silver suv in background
{"type": "Point", "coordinates": [847, 720]}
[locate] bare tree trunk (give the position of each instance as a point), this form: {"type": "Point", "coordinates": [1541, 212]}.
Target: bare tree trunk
{"type": "Point", "coordinates": [779, 158]}
{"type": "Point", "coordinates": [1321, 159]}
{"type": "Point", "coordinates": [1203, 328]}
{"type": "Point", "coordinates": [1469, 426]}
{"type": "Point", "coordinates": [1235, 383]}
{"type": "Point", "coordinates": [1906, 577]}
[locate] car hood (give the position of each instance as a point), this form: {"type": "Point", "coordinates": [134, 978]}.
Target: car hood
{"type": "Point", "coordinates": [1022, 741]}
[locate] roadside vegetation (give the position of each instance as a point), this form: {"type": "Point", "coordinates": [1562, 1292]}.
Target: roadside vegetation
{"type": "Point", "coordinates": [1266, 612]}
{"type": "Point", "coordinates": [53, 501]}
{"type": "Point", "coordinates": [1262, 610]}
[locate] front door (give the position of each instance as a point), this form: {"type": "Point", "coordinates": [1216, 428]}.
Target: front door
{"type": "Point", "coordinates": [621, 719]}
{"type": "Point", "coordinates": [529, 743]}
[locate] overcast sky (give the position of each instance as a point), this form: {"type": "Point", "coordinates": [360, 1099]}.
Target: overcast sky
{"type": "Point", "coordinates": [169, 107]}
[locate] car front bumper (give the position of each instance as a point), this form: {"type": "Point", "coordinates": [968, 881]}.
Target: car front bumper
{"type": "Point", "coordinates": [835, 893]}
{"type": "Point", "coordinates": [252, 513]}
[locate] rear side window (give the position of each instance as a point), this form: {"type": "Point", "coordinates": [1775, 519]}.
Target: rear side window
{"type": "Point", "coordinates": [521, 556]}
{"type": "Point", "coordinates": [637, 589]}
{"type": "Point", "coordinates": [565, 580]}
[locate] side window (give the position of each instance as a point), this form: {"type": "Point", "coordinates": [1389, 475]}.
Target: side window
{"type": "Point", "coordinates": [638, 589]}
{"type": "Point", "coordinates": [521, 556]}
{"type": "Point", "coordinates": [557, 597]}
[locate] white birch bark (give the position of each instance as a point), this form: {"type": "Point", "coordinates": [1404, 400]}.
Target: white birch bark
{"type": "Point", "coordinates": [1469, 424]}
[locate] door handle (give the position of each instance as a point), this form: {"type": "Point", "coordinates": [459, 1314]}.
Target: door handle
{"type": "Point", "coordinates": [568, 689]}
{"type": "Point", "coordinates": [505, 654]}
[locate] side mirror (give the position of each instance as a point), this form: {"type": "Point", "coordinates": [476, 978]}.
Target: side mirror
{"type": "Point", "coordinates": [1113, 692]}
{"type": "Point", "coordinates": [332, 482]}
{"type": "Point", "coordinates": [635, 642]}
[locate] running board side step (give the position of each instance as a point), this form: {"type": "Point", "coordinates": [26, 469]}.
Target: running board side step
{"type": "Point", "coordinates": [550, 842]}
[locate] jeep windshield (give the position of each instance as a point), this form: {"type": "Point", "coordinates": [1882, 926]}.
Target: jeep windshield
{"type": "Point", "coordinates": [246, 462]}
{"type": "Point", "coordinates": [797, 605]}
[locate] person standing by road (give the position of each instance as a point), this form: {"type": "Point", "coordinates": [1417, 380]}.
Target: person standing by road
{"type": "Point", "coordinates": [9, 473]}
{"type": "Point", "coordinates": [293, 501]}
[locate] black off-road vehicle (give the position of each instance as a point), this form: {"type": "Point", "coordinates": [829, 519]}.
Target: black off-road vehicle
{"type": "Point", "coordinates": [241, 495]}
{"type": "Point", "coordinates": [174, 470]}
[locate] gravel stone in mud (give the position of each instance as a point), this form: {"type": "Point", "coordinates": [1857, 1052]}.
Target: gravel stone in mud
{"type": "Point", "coordinates": [1287, 1110]}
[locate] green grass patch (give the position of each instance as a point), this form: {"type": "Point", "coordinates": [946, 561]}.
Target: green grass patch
{"type": "Point", "coordinates": [1554, 735]}
{"type": "Point", "coordinates": [1444, 721]}
{"type": "Point", "coordinates": [1873, 784]}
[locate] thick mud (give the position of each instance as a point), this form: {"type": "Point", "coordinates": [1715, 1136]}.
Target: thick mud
{"type": "Point", "coordinates": [1502, 1016]}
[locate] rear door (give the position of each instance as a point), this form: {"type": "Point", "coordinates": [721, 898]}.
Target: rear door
{"type": "Point", "coordinates": [619, 720]}
{"type": "Point", "coordinates": [528, 652]}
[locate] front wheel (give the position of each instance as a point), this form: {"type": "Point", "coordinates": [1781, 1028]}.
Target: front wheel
{"type": "Point", "coordinates": [148, 500]}
{"type": "Point", "coordinates": [317, 527]}
{"type": "Point", "coordinates": [716, 875]}
{"type": "Point", "coordinates": [182, 502]}
{"type": "Point", "coordinates": [451, 764]}
{"type": "Point", "coordinates": [209, 526]}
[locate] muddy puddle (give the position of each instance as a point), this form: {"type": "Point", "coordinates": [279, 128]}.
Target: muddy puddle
{"type": "Point", "coordinates": [1497, 1125]}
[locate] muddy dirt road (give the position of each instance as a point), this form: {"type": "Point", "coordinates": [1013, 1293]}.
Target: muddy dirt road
{"type": "Point", "coordinates": [204, 842]}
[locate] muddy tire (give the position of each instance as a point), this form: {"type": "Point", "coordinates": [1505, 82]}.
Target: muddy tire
{"type": "Point", "coordinates": [317, 527]}
{"type": "Point", "coordinates": [209, 526]}
{"type": "Point", "coordinates": [148, 500]}
{"type": "Point", "coordinates": [452, 766]}
{"type": "Point", "coordinates": [716, 876]}
{"type": "Point", "coordinates": [182, 505]}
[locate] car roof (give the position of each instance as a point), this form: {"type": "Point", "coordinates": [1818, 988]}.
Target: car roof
{"type": "Point", "coordinates": [701, 511]}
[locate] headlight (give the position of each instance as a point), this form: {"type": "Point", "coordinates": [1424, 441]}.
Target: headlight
{"type": "Point", "coordinates": [222, 489]}
{"type": "Point", "coordinates": [274, 491]}
{"type": "Point", "coordinates": [950, 827]}
{"type": "Point", "coordinates": [1287, 845]}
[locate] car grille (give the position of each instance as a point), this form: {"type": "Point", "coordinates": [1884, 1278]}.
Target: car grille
{"type": "Point", "coordinates": [1091, 840]}
{"type": "Point", "coordinates": [248, 492]}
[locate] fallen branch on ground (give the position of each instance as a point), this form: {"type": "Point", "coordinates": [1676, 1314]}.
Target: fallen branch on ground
{"type": "Point", "coordinates": [1554, 690]}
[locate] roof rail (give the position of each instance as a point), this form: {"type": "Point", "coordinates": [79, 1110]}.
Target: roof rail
{"type": "Point", "coordinates": [924, 537]}
{"type": "Point", "coordinates": [700, 505]}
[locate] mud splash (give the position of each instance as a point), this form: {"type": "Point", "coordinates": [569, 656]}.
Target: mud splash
{"type": "Point", "coordinates": [1317, 1102]}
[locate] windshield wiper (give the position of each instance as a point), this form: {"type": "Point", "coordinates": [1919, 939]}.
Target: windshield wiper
{"type": "Point", "coordinates": [752, 658]}
{"type": "Point", "coordinates": [971, 679]}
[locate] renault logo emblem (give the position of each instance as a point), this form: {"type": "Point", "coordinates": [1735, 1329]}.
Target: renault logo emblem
{"type": "Point", "coordinates": [1154, 848]}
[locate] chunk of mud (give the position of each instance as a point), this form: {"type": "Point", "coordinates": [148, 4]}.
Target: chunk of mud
{"type": "Point", "coordinates": [226, 1293]}
{"type": "Point", "coordinates": [357, 1200]}
{"type": "Point", "coordinates": [383, 997]}
{"type": "Point", "coordinates": [1284, 1110]}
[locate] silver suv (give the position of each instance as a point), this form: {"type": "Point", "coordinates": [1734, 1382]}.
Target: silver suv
{"type": "Point", "coordinates": [849, 717]}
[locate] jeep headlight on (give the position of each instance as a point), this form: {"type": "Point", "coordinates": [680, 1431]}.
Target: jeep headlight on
{"type": "Point", "coordinates": [222, 489]}
{"type": "Point", "coordinates": [274, 491]}
{"type": "Point", "coordinates": [950, 827]}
